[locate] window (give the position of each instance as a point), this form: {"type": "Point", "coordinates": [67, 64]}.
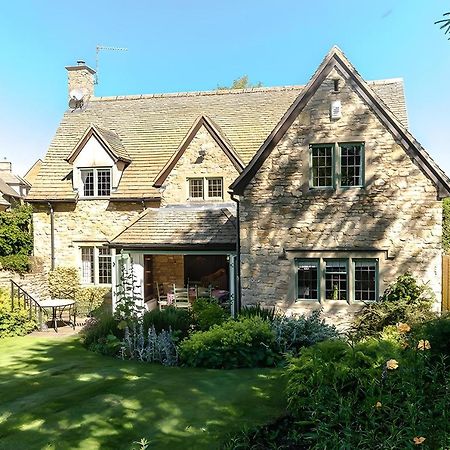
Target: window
{"type": "Point", "coordinates": [336, 280]}
{"type": "Point", "coordinates": [87, 265]}
{"type": "Point", "coordinates": [337, 165]}
{"type": "Point", "coordinates": [308, 280]}
{"type": "Point", "coordinates": [104, 266]}
{"type": "Point", "coordinates": [322, 165]}
{"type": "Point", "coordinates": [96, 182]}
{"type": "Point", "coordinates": [351, 167]}
{"type": "Point", "coordinates": [365, 280]}
{"type": "Point", "coordinates": [215, 188]}
{"type": "Point", "coordinates": [344, 279]}
{"type": "Point", "coordinates": [196, 188]}
{"type": "Point", "coordinates": [205, 188]}
{"type": "Point", "coordinates": [96, 265]}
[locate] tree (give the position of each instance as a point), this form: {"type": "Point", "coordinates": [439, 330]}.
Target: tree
{"type": "Point", "coordinates": [241, 83]}
{"type": "Point", "coordinates": [445, 23]}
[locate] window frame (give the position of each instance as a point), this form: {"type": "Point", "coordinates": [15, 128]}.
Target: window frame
{"type": "Point", "coordinates": [309, 261]}
{"type": "Point", "coordinates": [336, 157]}
{"type": "Point", "coordinates": [350, 260]}
{"type": "Point", "coordinates": [95, 270]}
{"type": "Point", "coordinates": [345, 262]}
{"type": "Point", "coordinates": [94, 171]}
{"type": "Point", "coordinates": [205, 189]}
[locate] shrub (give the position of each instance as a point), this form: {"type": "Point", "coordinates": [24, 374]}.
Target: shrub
{"type": "Point", "coordinates": [98, 329]}
{"type": "Point", "coordinates": [149, 346]}
{"type": "Point", "coordinates": [178, 320]}
{"type": "Point", "coordinates": [207, 312]}
{"type": "Point", "coordinates": [374, 395]}
{"type": "Point", "coordinates": [405, 301]}
{"type": "Point", "coordinates": [293, 333]}
{"type": "Point", "coordinates": [90, 300]}
{"type": "Point", "coordinates": [16, 263]}
{"type": "Point", "coordinates": [257, 311]}
{"type": "Point", "coordinates": [437, 332]}
{"type": "Point", "coordinates": [63, 282]}
{"type": "Point", "coordinates": [14, 322]}
{"type": "Point", "coordinates": [234, 344]}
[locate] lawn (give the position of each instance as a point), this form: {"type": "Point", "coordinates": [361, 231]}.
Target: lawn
{"type": "Point", "coordinates": [54, 394]}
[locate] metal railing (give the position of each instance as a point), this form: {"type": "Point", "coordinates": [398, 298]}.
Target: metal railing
{"type": "Point", "coordinates": [21, 298]}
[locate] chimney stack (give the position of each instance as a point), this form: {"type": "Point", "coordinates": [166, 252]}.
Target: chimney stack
{"type": "Point", "coordinates": [81, 77]}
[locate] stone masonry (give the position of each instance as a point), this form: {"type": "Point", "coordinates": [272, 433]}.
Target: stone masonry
{"type": "Point", "coordinates": [397, 211]}
{"type": "Point", "coordinates": [203, 158]}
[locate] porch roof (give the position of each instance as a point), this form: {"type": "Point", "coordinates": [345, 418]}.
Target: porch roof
{"type": "Point", "coordinates": [178, 228]}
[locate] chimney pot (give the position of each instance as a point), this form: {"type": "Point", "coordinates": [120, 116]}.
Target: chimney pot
{"type": "Point", "coordinates": [80, 62]}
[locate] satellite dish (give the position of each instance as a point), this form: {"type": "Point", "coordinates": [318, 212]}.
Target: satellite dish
{"type": "Point", "coordinates": [76, 94]}
{"type": "Point", "coordinates": [72, 103]}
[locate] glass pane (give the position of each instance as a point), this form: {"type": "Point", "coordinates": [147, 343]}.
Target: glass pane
{"type": "Point", "coordinates": [336, 280]}
{"type": "Point", "coordinates": [322, 166]}
{"type": "Point", "coordinates": [87, 178]}
{"type": "Point", "coordinates": [104, 266]}
{"type": "Point", "coordinates": [215, 188]}
{"type": "Point", "coordinates": [196, 188]}
{"type": "Point", "coordinates": [104, 182]}
{"type": "Point", "coordinates": [87, 265]}
{"type": "Point", "coordinates": [365, 280]}
{"type": "Point", "coordinates": [351, 167]}
{"type": "Point", "coordinates": [307, 284]}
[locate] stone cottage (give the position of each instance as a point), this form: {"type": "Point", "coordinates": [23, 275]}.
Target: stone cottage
{"type": "Point", "coordinates": [301, 196]}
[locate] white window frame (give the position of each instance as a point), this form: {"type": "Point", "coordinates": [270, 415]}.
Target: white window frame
{"type": "Point", "coordinates": [95, 171]}
{"type": "Point", "coordinates": [205, 187]}
{"type": "Point", "coordinates": [96, 250]}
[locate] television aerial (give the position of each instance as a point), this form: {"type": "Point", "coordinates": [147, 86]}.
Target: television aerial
{"type": "Point", "coordinates": [100, 48]}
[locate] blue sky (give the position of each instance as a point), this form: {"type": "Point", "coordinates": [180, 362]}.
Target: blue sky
{"type": "Point", "coordinates": [196, 45]}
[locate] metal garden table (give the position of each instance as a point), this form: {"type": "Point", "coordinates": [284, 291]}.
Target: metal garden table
{"type": "Point", "coordinates": [59, 305]}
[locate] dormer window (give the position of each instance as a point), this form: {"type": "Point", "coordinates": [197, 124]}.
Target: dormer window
{"type": "Point", "coordinates": [96, 182]}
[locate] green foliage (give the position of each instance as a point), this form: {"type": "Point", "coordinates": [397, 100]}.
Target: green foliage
{"type": "Point", "coordinates": [64, 282]}
{"type": "Point", "coordinates": [14, 322]}
{"type": "Point", "coordinates": [347, 397]}
{"type": "Point", "coordinates": [446, 225]}
{"type": "Point", "coordinates": [241, 83]}
{"type": "Point", "coordinates": [234, 344]}
{"type": "Point", "coordinates": [293, 333]}
{"type": "Point", "coordinates": [15, 263]}
{"type": "Point", "coordinates": [95, 333]}
{"type": "Point", "coordinates": [178, 320]}
{"type": "Point", "coordinates": [16, 240]}
{"type": "Point", "coordinates": [405, 301]}
{"type": "Point", "coordinates": [437, 332]}
{"type": "Point", "coordinates": [207, 312]}
{"type": "Point", "coordinates": [257, 311]}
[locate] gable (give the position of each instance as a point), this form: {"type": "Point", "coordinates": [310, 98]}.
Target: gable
{"type": "Point", "coordinates": [93, 154]}
{"type": "Point", "coordinates": [204, 154]}
{"type": "Point", "coordinates": [335, 60]}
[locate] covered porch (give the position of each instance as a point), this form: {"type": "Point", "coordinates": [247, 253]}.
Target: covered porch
{"type": "Point", "coordinates": [178, 250]}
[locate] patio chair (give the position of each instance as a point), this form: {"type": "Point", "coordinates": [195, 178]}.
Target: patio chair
{"type": "Point", "coordinates": [162, 298]}
{"type": "Point", "coordinates": [203, 292]}
{"type": "Point", "coordinates": [181, 297]}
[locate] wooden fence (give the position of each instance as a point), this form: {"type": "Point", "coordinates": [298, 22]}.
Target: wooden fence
{"type": "Point", "coordinates": [446, 283]}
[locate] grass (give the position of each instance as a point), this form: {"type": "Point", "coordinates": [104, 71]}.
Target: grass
{"type": "Point", "coordinates": [56, 395]}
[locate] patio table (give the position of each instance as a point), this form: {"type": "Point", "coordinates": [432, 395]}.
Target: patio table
{"type": "Point", "coordinates": [59, 304]}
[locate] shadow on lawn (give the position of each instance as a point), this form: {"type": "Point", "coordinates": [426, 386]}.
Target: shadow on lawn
{"type": "Point", "coordinates": [57, 395]}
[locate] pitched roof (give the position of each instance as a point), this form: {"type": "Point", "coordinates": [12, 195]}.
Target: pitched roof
{"type": "Point", "coordinates": [152, 127]}
{"type": "Point", "coordinates": [217, 135]}
{"type": "Point", "coordinates": [336, 59]}
{"type": "Point", "coordinates": [109, 140]}
{"type": "Point", "coordinates": [32, 172]}
{"type": "Point", "coordinates": [6, 189]}
{"type": "Point", "coordinates": [178, 227]}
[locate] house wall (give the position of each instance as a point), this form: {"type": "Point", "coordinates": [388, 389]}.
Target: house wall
{"type": "Point", "coordinates": [168, 270]}
{"type": "Point", "coordinates": [397, 211]}
{"type": "Point", "coordinates": [212, 162]}
{"type": "Point", "coordinates": [88, 222]}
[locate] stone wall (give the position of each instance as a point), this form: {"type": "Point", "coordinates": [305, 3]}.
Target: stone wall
{"type": "Point", "coordinates": [396, 212]}
{"type": "Point", "coordinates": [88, 222]}
{"type": "Point", "coordinates": [203, 158]}
{"type": "Point", "coordinates": [168, 269]}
